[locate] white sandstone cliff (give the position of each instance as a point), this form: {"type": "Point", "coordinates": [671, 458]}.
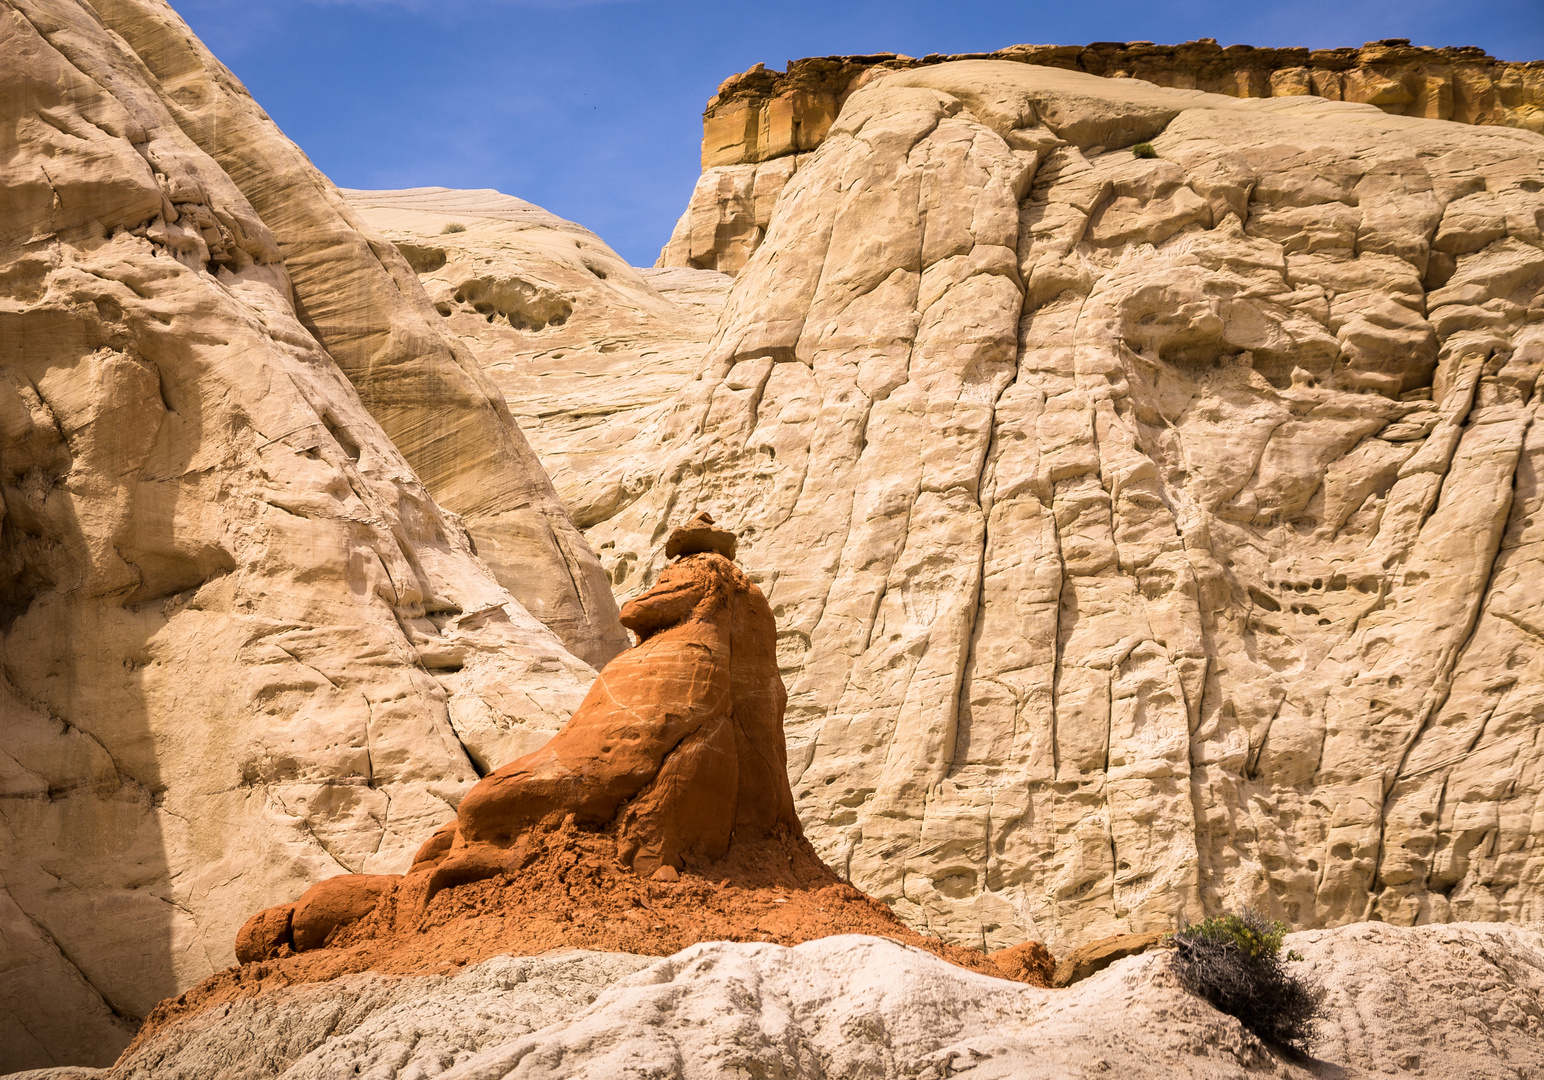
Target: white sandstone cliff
{"type": "Point", "coordinates": [242, 646]}
{"type": "Point", "coordinates": [1145, 535]}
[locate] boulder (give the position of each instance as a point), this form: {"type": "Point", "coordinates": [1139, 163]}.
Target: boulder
{"type": "Point", "coordinates": [1086, 960]}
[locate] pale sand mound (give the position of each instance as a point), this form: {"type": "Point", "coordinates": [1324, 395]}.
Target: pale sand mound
{"type": "Point", "coordinates": [1434, 1001]}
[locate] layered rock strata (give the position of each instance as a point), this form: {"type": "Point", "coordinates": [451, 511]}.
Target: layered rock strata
{"type": "Point", "coordinates": [760, 122]}
{"type": "Point", "coordinates": [243, 646]}
{"type": "Point", "coordinates": [586, 350]}
{"type": "Point", "coordinates": [1146, 536]}
{"type": "Point", "coordinates": [1400, 1002]}
{"type": "Point", "coordinates": [760, 115]}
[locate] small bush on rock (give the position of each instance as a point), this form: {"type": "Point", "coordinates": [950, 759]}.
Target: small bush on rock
{"type": "Point", "coordinates": [1144, 149]}
{"type": "Point", "coordinates": [1235, 963]}
{"type": "Point", "coordinates": [453, 226]}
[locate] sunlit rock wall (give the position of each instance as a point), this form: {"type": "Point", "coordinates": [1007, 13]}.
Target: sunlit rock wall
{"type": "Point", "coordinates": [1146, 535]}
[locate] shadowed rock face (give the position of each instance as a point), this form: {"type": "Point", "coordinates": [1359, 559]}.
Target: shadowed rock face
{"type": "Point", "coordinates": [677, 752]}
{"type": "Point", "coordinates": [244, 647]}
{"type": "Point", "coordinates": [360, 299]}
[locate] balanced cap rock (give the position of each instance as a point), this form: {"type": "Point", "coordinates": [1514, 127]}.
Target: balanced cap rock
{"type": "Point", "coordinates": [678, 747]}
{"type": "Point", "coordinates": [700, 535]}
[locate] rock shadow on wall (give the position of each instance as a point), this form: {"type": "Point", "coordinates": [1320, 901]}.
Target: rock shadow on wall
{"type": "Point", "coordinates": [92, 568]}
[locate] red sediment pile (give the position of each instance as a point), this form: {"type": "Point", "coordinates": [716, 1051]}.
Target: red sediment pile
{"type": "Point", "coordinates": [577, 894]}
{"type": "Point", "coordinates": [658, 817]}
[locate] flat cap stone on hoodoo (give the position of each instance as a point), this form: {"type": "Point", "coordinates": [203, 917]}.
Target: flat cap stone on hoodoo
{"type": "Point", "coordinates": [701, 535]}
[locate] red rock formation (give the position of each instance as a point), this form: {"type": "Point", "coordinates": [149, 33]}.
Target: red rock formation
{"type": "Point", "coordinates": [659, 816]}
{"type": "Point", "coordinates": [677, 749]}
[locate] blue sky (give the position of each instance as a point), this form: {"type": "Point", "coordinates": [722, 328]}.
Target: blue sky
{"type": "Point", "coordinates": [592, 108]}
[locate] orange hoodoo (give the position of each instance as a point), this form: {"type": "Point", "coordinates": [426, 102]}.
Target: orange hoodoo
{"type": "Point", "coordinates": [677, 751]}
{"type": "Point", "coordinates": [678, 745]}
{"type": "Point", "coordinates": [674, 761]}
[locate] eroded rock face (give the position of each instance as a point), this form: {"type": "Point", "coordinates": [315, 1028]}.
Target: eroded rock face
{"type": "Point", "coordinates": [1145, 536]}
{"type": "Point", "coordinates": [424, 387]}
{"type": "Point", "coordinates": [587, 350]}
{"type": "Point", "coordinates": [727, 216]}
{"type": "Point", "coordinates": [676, 751]}
{"type": "Point", "coordinates": [685, 731]}
{"type": "Point", "coordinates": [759, 115]}
{"type": "Point", "coordinates": [244, 648]}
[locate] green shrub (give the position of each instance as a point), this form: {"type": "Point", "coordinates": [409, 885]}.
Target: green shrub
{"type": "Point", "coordinates": [1235, 963]}
{"type": "Point", "coordinates": [453, 226]}
{"type": "Point", "coordinates": [1144, 149]}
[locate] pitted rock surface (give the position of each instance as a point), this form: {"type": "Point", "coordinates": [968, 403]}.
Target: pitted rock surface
{"type": "Point", "coordinates": [1429, 1001]}
{"type": "Point", "coordinates": [586, 350]}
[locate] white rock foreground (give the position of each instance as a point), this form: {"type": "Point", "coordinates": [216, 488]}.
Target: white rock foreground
{"type": "Point", "coordinates": [1463, 1000]}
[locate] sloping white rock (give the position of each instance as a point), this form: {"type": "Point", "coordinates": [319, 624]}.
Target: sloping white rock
{"type": "Point", "coordinates": [587, 350]}
{"type": "Point", "coordinates": [1438, 1001]}
{"type": "Point", "coordinates": [370, 1025]}
{"type": "Point", "coordinates": [360, 299]}
{"type": "Point", "coordinates": [244, 648]}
